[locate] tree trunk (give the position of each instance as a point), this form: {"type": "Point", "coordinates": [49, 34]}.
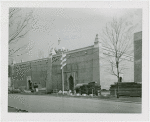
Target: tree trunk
{"type": "Point", "coordinates": [117, 65]}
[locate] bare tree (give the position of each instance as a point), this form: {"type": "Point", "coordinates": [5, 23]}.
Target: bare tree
{"type": "Point", "coordinates": [19, 26]}
{"type": "Point", "coordinates": [117, 36]}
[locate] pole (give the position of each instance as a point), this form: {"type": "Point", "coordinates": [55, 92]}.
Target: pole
{"type": "Point", "coordinates": [118, 90]}
{"type": "Point", "coordinates": [62, 65]}
{"type": "Point", "coordinates": [62, 81]}
{"type": "Point", "coordinates": [62, 77]}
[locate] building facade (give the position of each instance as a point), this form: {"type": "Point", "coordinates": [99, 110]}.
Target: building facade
{"type": "Point", "coordinates": [138, 57]}
{"type": "Point", "coordinates": [83, 65]}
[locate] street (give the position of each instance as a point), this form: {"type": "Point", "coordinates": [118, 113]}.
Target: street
{"type": "Point", "coordinates": [52, 104]}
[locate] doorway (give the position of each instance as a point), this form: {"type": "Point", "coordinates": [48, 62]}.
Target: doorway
{"type": "Point", "coordinates": [28, 82]}
{"type": "Point", "coordinates": [71, 83]}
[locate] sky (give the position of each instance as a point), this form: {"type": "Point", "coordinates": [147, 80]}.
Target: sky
{"type": "Point", "coordinates": [75, 27]}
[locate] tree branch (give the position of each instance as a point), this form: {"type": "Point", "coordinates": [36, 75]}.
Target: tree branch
{"type": "Point", "coordinates": [118, 37]}
{"type": "Point", "coordinates": [16, 33]}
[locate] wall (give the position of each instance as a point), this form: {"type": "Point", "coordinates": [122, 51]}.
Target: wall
{"type": "Point", "coordinates": [84, 64]}
{"type": "Point", "coordinates": [39, 72]}
{"type": "Point", "coordinates": [21, 71]}
{"type": "Point", "coordinates": [138, 57]}
{"type": "Point", "coordinates": [79, 62]}
{"type": "Point", "coordinates": [36, 69]}
{"type": "Point", "coordinates": [106, 77]}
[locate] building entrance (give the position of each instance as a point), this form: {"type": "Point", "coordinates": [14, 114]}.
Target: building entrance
{"type": "Point", "coordinates": [71, 84]}
{"type": "Point", "coordinates": [29, 83]}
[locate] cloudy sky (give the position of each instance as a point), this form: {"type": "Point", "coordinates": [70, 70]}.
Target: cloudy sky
{"type": "Point", "coordinates": [76, 28]}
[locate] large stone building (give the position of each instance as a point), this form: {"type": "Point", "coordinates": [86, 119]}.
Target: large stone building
{"type": "Point", "coordinates": [138, 57]}
{"type": "Point", "coordinates": [83, 65]}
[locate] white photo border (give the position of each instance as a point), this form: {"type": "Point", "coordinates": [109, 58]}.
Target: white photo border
{"type": "Point", "coordinates": [144, 116]}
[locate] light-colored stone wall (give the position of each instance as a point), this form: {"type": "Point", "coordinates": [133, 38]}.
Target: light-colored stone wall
{"type": "Point", "coordinates": [108, 79]}
{"type": "Point", "coordinates": [81, 63]}
{"type": "Point", "coordinates": [138, 57]}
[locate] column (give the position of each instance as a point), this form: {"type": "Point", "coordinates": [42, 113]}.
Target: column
{"type": "Point", "coordinates": [49, 75]}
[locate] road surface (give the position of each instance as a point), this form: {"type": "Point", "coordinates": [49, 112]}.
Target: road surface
{"type": "Point", "coordinates": [52, 104]}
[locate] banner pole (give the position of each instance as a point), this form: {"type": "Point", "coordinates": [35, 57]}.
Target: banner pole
{"type": "Point", "coordinates": [62, 77]}
{"type": "Point", "coordinates": [62, 81]}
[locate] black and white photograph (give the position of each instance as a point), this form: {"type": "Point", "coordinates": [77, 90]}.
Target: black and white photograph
{"type": "Point", "coordinates": [75, 60]}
